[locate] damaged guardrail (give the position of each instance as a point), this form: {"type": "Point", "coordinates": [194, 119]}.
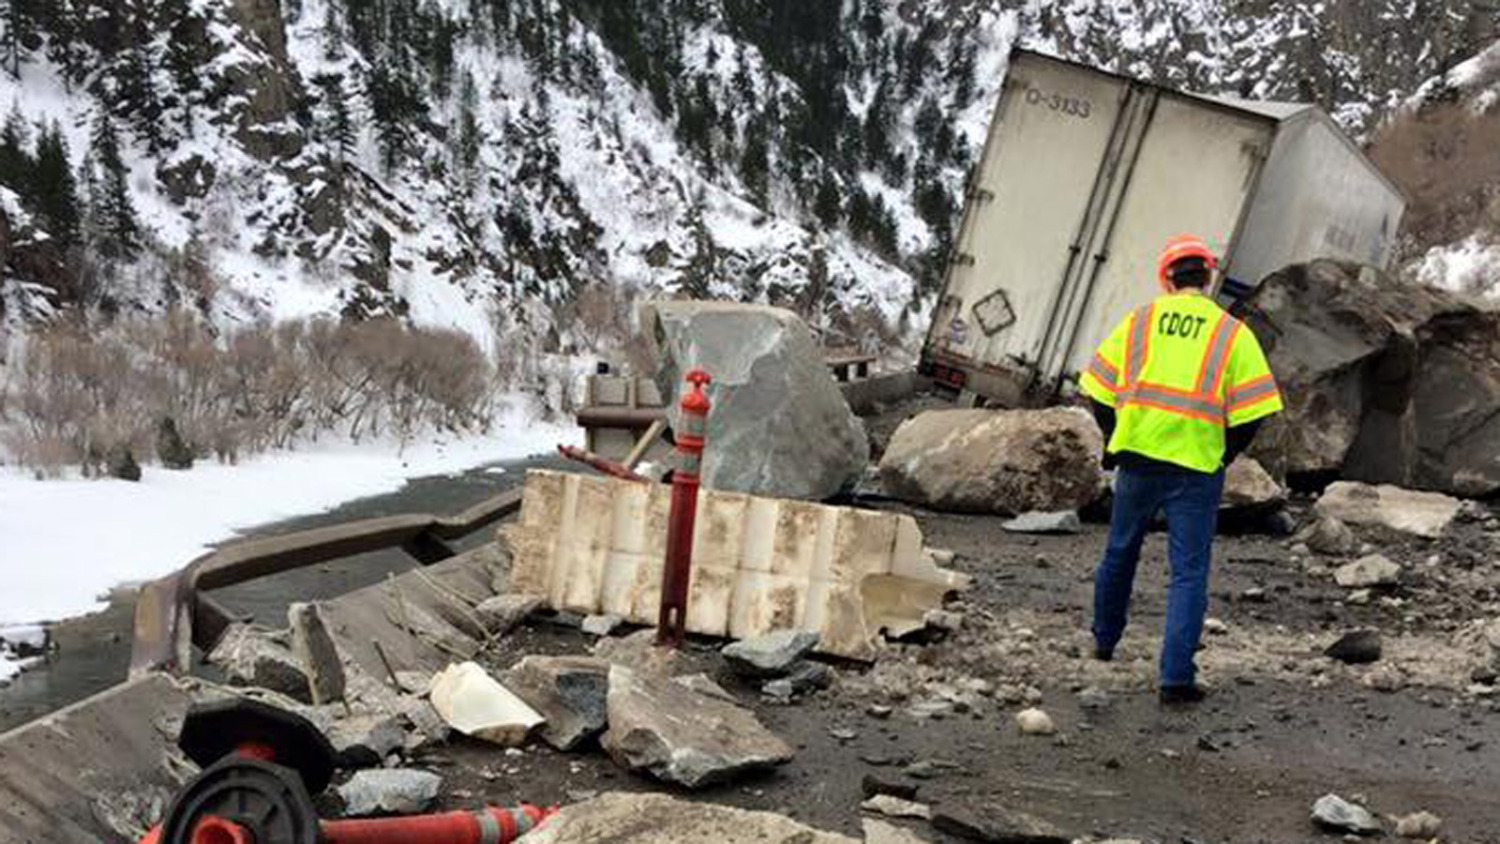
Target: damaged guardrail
{"type": "Point", "coordinates": [173, 613]}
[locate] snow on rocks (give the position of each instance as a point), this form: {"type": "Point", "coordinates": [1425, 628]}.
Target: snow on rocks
{"type": "Point", "coordinates": [1336, 814]}
{"type": "Point", "coordinates": [389, 791]}
{"type": "Point", "coordinates": [472, 702]}
{"type": "Point", "coordinates": [682, 736]}
{"type": "Point", "coordinates": [996, 461]}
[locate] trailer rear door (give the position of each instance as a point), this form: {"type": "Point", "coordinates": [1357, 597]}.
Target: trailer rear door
{"type": "Point", "coordinates": [1035, 190]}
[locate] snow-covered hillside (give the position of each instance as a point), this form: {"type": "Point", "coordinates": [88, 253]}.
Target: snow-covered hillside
{"type": "Point", "coordinates": [487, 164]}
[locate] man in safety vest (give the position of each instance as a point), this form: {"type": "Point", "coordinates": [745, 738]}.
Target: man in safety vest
{"type": "Point", "coordinates": [1179, 389]}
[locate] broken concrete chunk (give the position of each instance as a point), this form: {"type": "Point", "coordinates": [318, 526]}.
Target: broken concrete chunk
{"type": "Point", "coordinates": [472, 702]}
{"type": "Point", "coordinates": [992, 822]}
{"type": "Point", "coordinates": [389, 791]}
{"type": "Point", "coordinates": [780, 425]}
{"type": "Point", "coordinates": [638, 651]}
{"type": "Point", "coordinates": [1335, 813]}
{"type": "Point", "coordinates": [996, 461]}
{"type": "Point", "coordinates": [570, 692]}
{"type": "Point", "coordinates": [659, 819]}
{"type": "Point", "coordinates": [314, 648]}
{"type": "Point", "coordinates": [1367, 572]}
{"type": "Point", "coordinates": [252, 656]}
{"type": "Point", "coordinates": [364, 741]}
{"type": "Point", "coordinates": [1424, 514]}
{"type": "Point", "coordinates": [770, 655]}
{"type": "Point", "coordinates": [805, 678]}
{"type": "Point", "coordinates": [502, 613]}
{"type": "Point", "coordinates": [759, 565]}
{"type": "Point", "coordinates": [1065, 522]}
{"type": "Point", "coordinates": [679, 736]}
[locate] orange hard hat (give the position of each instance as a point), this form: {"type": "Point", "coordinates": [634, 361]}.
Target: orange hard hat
{"type": "Point", "coordinates": [1180, 247]}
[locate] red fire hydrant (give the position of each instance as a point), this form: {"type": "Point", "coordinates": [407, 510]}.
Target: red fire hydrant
{"type": "Point", "coordinates": [671, 625]}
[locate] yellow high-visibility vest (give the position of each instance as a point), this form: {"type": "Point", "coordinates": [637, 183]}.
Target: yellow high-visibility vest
{"type": "Point", "coordinates": [1178, 372]}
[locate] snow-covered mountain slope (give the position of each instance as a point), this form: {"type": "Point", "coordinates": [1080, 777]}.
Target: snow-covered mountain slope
{"type": "Point", "coordinates": [492, 165]}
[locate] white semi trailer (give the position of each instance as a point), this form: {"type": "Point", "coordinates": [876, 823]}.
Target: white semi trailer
{"type": "Point", "coordinates": [1084, 176]}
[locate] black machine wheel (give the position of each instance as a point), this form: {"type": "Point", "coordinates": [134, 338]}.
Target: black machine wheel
{"type": "Point", "coordinates": [267, 799]}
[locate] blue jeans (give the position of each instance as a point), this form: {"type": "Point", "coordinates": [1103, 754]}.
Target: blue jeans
{"type": "Point", "coordinates": [1190, 501]}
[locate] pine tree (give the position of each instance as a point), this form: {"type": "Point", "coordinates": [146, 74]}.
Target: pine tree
{"type": "Point", "coordinates": [829, 205]}
{"type": "Point", "coordinates": [114, 221]}
{"type": "Point", "coordinates": [15, 157]}
{"type": "Point", "coordinates": [187, 52]}
{"type": "Point", "coordinates": [337, 125]}
{"type": "Point", "coordinates": [755, 163]}
{"type": "Point", "coordinates": [53, 194]}
{"type": "Point", "coordinates": [20, 20]}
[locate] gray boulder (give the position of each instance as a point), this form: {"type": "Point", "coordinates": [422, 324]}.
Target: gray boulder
{"type": "Point", "coordinates": [996, 461]}
{"type": "Point", "coordinates": [571, 692]}
{"type": "Point", "coordinates": [683, 737]}
{"type": "Point", "coordinates": [1327, 535]}
{"type": "Point", "coordinates": [1334, 813]}
{"type": "Point", "coordinates": [780, 426]}
{"type": "Point", "coordinates": [1248, 487]}
{"type": "Point", "coordinates": [771, 655]}
{"type": "Point", "coordinates": [1424, 514]}
{"type": "Point", "coordinates": [389, 791]}
{"type": "Point", "coordinates": [364, 741]}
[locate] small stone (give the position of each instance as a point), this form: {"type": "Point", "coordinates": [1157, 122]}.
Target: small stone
{"type": "Point", "coordinates": [1065, 522]}
{"type": "Point", "coordinates": [389, 791]}
{"type": "Point", "coordinates": [1357, 647]}
{"type": "Point", "coordinates": [1335, 813]}
{"type": "Point", "coordinates": [874, 784]}
{"type": "Point", "coordinates": [602, 625]}
{"type": "Point", "coordinates": [771, 655]}
{"type": "Point", "coordinates": [1359, 598]}
{"type": "Point", "coordinates": [1385, 679]}
{"type": "Point", "coordinates": [1368, 572]}
{"type": "Point", "coordinates": [879, 712]}
{"type": "Point", "coordinates": [364, 741]}
{"type": "Point", "coordinates": [895, 807]}
{"type": "Point", "coordinates": [806, 677]}
{"type": "Point", "coordinates": [1215, 627]}
{"type": "Point", "coordinates": [843, 734]}
{"type": "Point", "coordinates": [930, 769]}
{"type": "Point", "coordinates": [1419, 825]}
{"type": "Point", "coordinates": [1253, 595]}
{"type": "Point", "coordinates": [945, 620]}
{"type": "Point", "coordinates": [1035, 722]}
{"type": "Point", "coordinates": [1094, 698]}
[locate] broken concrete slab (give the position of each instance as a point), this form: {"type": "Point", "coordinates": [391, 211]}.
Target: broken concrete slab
{"type": "Point", "coordinates": [570, 692]}
{"type": "Point", "coordinates": [596, 545]}
{"type": "Point", "coordinates": [315, 650]}
{"type": "Point", "coordinates": [503, 613]}
{"type": "Point", "coordinates": [365, 740]}
{"type": "Point", "coordinates": [389, 791]}
{"type": "Point", "coordinates": [601, 625]}
{"type": "Point", "coordinates": [996, 461]}
{"type": "Point", "coordinates": [683, 737]}
{"type": "Point", "coordinates": [472, 702]}
{"type": "Point", "coordinates": [251, 655]}
{"type": "Point", "coordinates": [1424, 514]}
{"type": "Point", "coordinates": [771, 655]}
{"type": "Point", "coordinates": [1062, 523]}
{"type": "Point", "coordinates": [806, 677]}
{"type": "Point", "coordinates": [880, 832]}
{"type": "Point", "coordinates": [638, 651]}
{"type": "Point", "coordinates": [659, 819]}
{"type": "Point", "coordinates": [780, 425]}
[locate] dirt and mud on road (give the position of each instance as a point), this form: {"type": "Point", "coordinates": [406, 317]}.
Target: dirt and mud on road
{"type": "Point", "coordinates": [1285, 725]}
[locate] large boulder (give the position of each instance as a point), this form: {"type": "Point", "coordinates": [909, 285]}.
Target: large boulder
{"type": "Point", "coordinates": [1384, 382]}
{"type": "Point", "coordinates": [659, 819]}
{"type": "Point", "coordinates": [684, 736]}
{"type": "Point", "coordinates": [1424, 514]}
{"type": "Point", "coordinates": [780, 426]}
{"type": "Point", "coordinates": [996, 461]}
{"type": "Point", "coordinates": [1249, 487]}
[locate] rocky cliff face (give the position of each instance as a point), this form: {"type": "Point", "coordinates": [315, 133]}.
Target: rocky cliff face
{"type": "Point", "coordinates": [495, 165]}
